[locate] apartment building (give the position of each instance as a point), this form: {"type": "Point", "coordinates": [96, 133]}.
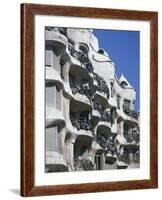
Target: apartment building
{"type": "Point", "coordinates": [91, 122]}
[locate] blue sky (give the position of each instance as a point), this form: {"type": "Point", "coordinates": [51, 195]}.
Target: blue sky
{"type": "Point", "coordinates": [123, 49]}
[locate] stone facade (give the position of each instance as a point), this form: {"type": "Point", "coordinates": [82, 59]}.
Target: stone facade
{"type": "Point", "coordinates": [91, 123]}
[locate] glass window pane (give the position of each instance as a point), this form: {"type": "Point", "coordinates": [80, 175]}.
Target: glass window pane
{"type": "Point", "coordinates": [52, 139]}
{"type": "Point", "coordinates": [49, 57]}
{"type": "Point", "coordinates": [51, 96]}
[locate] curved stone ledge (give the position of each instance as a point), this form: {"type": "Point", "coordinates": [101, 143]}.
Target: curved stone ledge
{"type": "Point", "coordinates": [121, 140]}
{"type": "Point", "coordinates": [114, 129]}
{"type": "Point", "coordinates": [54, 117]}
{"type": "Point", "coordinates": [121, 165]}
{"type": "Point", "coordinates": [101, 58]}
{"type": "Point", "coordinates": [112, 102]}
{"type": "Point", "coordinates": [67, 91]}
{"type": "Point", "coordinates": [81, 103]}
{"type": "Point", "coordinates": [56, 39]}
{"type": "Point", "coordinates": [131, 146]}
{"type": "Point", "coordinates": [104, 127]}
{"type": "Point", "coordinates": [79, 69]}
{"type": "Point", "coordinates": [97, 147]}
{"type": "Point", "coordinates": [70, 129]}
{"type": "Point", "coordinates": [96, 114]}
{"type": "Point", "coordinates": [110, 158]}
{"type": "Point", "coordinates": [53, 77]}
{"type": "Point", "coordinates": [126, 117]}
{"type": "Point", "coordinates": [84, 133]}
{"type": "Point", "coordinates": [101, 97]}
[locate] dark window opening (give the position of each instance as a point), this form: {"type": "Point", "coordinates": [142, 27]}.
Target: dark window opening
{"type": "Point", "coordinates": [101, 51]}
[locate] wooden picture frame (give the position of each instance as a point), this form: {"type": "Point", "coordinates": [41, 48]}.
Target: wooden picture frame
{"type": "Point", "coordinates": [28, 12]}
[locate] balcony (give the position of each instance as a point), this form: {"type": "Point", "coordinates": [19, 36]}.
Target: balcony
{"type": "Point", "coordinates": [132, 141]}
{"type": "Point", "coordinates": [83, 164]}
{"type": "Point", "coordinates": [82, 57]}
{"type": "Point", "coordinates": [56, 38]}
{"type": "Point", "coordinates": [81, 89]}
{"type": "Point", "coordinates": [106, 117]}
{"type": "Point", "coordinates": [132, 138]}
{"type": "Point", "coordinates": [105, 124]}
{"type": "Point", "coordinates": [102, 86]}
{"type": "Point", "coordinates": [110, 158]}
{"type": "Point", "coordinates": [53, 77]}
{"type": "Point", "coordinates": [107, 144]}
{"type": "Point", "coordinates": [82, 124]}
{"type": "Point", "coordinates": [129, 112]}
{"type": "Point", "coordinates": [123, 160]}
{"type": "Point", "coordinates": [101, 97]}
{"type": "Point", "coordinates": [97, 108]}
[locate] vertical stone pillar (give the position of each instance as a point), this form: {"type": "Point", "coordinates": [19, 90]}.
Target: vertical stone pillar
{"type": "Point", "coordinates": [70, 153]}
{"type": "Point", "coordinates": [102, 161]}
{"type": "Point", "coordinates": [76, 46]}
{"type": "Point", "coordinates": [121, 128]}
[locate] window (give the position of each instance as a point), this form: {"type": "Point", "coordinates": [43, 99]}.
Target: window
{"type": "Point", "coordinates": [112, 89]}
{"type": "Point", "coordinates": [126, 129]}
{"type": "Point", "coordinates": [83, 48]}
{"type": "Point", "coordinates": [56, 61]}
{"type": "Point", "coordinates": [52, 58]}
{"type": "Point", "coordinates": [126, 105]}
{"type": "Point", "coordinates": [98, 162]}
{"type": "Point", "coordinates": [84, 115]}
{"type": "Point", "coordinates": [124, 84]}
{"type": "Point", "coordinates": [53, 98]}
{"type": "Point", "coordinates": [101, 51]}
{"type": "Point", "coordinates": [53, 139]}
{"type": "Point", "coordinates": [62, 63]}
{"type": "Point", "coordinates": [49, 57]}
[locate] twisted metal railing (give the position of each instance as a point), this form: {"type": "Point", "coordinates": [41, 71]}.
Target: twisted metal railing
{"type": "Point", "coordinates": [129, 112]}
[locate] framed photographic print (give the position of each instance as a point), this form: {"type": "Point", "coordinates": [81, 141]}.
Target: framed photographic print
{"type": "Point", "coordinates": [89, 82]}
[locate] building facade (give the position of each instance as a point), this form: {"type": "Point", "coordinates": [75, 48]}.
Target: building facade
{"type": "Point", "coordinates": [91, 122]}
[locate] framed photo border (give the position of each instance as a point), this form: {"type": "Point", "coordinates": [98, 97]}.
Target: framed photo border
{"type": "Point", "coordinates": [28, 12]}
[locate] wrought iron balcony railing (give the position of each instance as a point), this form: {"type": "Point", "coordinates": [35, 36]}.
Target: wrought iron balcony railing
{"type": "Point", "coordinates": [81, 89]}
{"type": "Point", "coordinates": [82, 57]}
{"type": "Point", "coordinates": [82, 124]}
{"type": "Point", "coordinates": [83, 163]}
{"type": "Point", "coordinates": [133, 137]}
{"type": "Point", "coordinates": [107, 144]}
{"type": "Point", "coordinates": [124, 157]}
{"type": "Point", "coordinates": [98, 107]}
{"type": "Point", "coordinates": [102, 85]}
{"type": "Point", "coordinates": [129, 112]}
{"type": "Point", "coordinates": [61, 30]}
{"type": "Point", "coordinates": [106, 117]}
